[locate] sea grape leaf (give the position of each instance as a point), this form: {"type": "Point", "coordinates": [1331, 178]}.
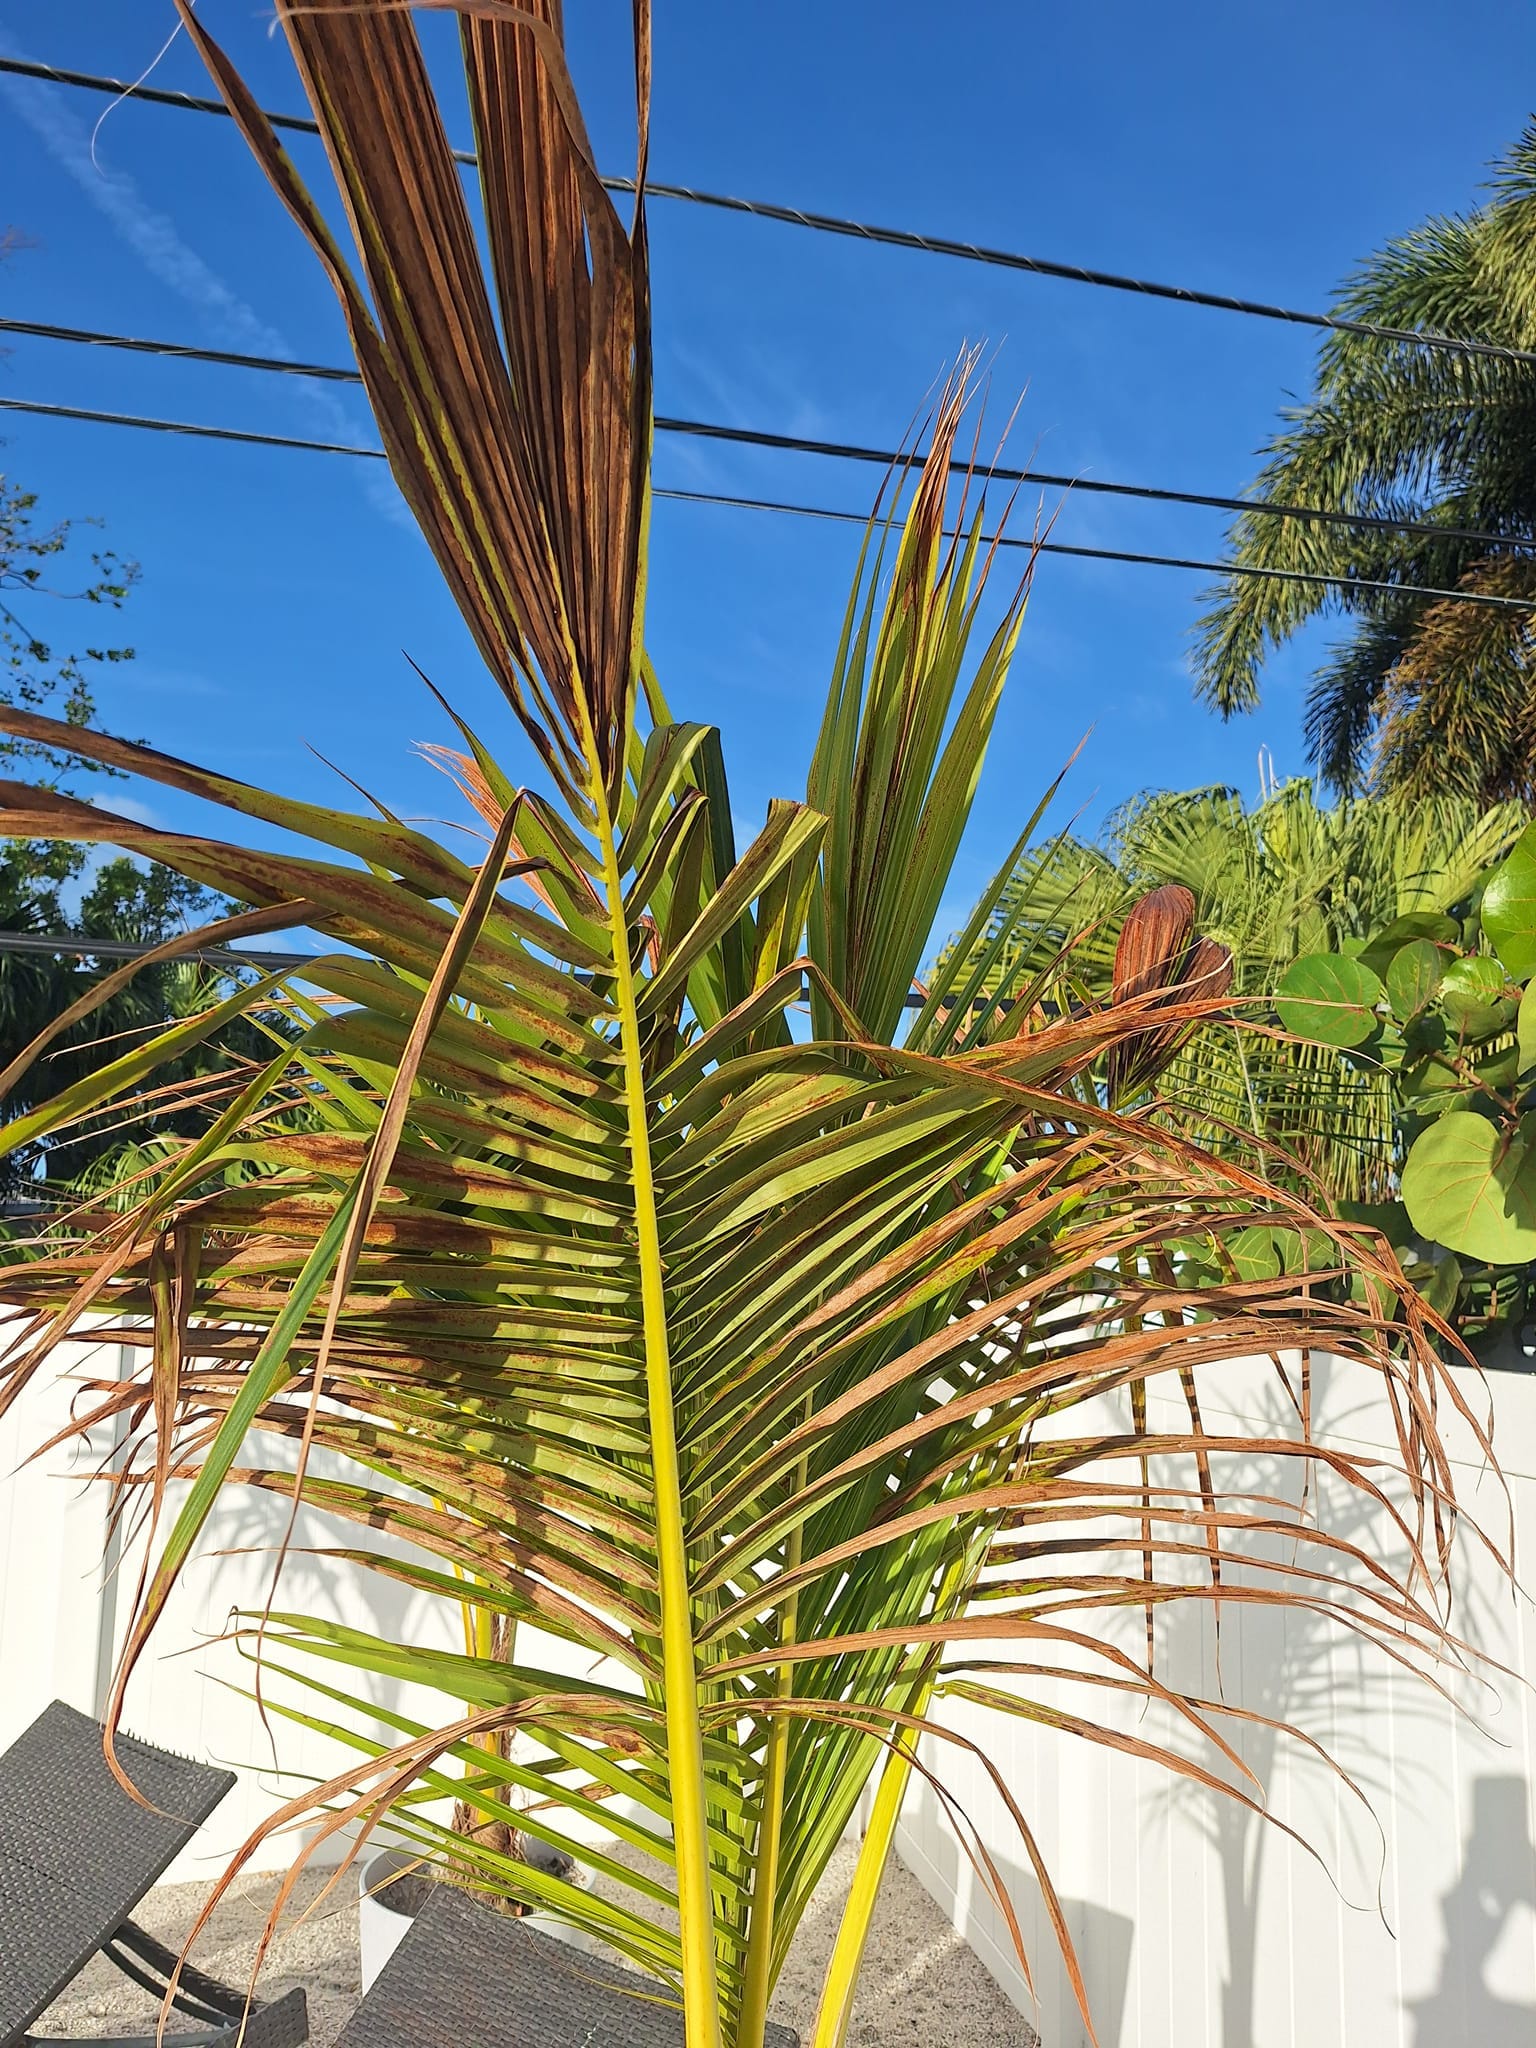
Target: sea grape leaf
{"type": "Point", "coordinates": [1476, 998]}
{"type": "Point", "coordinates": [1444, 1284]}
{"type": "Point", "coordinates": [1255, 1253]}
{"type": "Point", "coordinates": [1471, 1186]}
{"type": "Point", "coordinates": [1331, 1000]}
{"type": "Point", "coordinates": [1380, 950]}
{"type": "Point", "coordinates": [1509, 907]}
{"type": "Point", "coordinates": [1414, 975]}
{"type": "Point", "coordinates": [1390, 1218]}
{"type": "Point", "coordinates": [1262, 1251]}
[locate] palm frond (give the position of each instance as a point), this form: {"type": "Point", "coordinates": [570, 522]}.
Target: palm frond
{"type": "Point", "coordinates": [760, 1376]}
{"type": "Point", "coordinates": [1397, 432]}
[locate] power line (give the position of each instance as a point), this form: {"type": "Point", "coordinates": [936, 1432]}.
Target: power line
{"type": "Point", "coordinates": [796, 444]}
{"type": "Point", "coordinates": [189, 427]}
{"type": "Point", "coordinates": [1044, 547]}
{"type": "Point", "coordinates": [75, 947]}
{"type": "Point", "coordinates": [181, 351]}
{"type": "Point", "coordinates": [864, 231]}
{"type": "Point", "coordinates": [1059, 547]}
{"type": "Point", "coordinates": [82, 948]}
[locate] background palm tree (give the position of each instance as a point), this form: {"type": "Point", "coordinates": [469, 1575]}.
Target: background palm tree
{"type": "Point", "coordinates": [1424, 695]}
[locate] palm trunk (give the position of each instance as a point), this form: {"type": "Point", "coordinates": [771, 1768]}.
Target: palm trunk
{"type": "Point", "coordinates": [496, 1637]}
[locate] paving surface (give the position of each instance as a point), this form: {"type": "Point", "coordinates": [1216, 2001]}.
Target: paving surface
{"type": "Point", "coordinates": [921, 1985]}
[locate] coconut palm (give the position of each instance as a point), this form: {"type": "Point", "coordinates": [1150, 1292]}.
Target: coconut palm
{"type": "Point", "coordinates": [729, 1364]}
{"type": "Point", "coordinates": [1424, 695]}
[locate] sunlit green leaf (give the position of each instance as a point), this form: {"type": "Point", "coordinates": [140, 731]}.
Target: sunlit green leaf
{"type": "Point", "coordinates": [1330, 999]}
{"type": "Point", "coordinates": [1472, 1186]}
{"type": "Point", "coordinates": [1414, 975]}
{"type": "Point", "coordinates": [1509, 908]}
{"type": "Point", "coordinates": [1476, 998]}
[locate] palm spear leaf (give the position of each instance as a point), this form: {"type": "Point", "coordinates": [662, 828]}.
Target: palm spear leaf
{"type": "Point", "coordinates": [889, 738]}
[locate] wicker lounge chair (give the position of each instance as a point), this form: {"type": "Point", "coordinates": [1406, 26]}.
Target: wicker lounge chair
{"type": "Point", "coordinates": [465, 1977]}
{"type": "Point", "coordinates": [77, 1855]}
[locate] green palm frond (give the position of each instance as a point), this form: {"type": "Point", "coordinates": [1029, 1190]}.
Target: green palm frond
{"type": "Point", "coordinates": [1423, 435]}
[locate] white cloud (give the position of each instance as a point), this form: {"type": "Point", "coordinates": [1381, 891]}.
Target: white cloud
{"type": "Point", "coordinates": [154, 679]}
{"type": "Point", "coordinates": [157, 242]}
{"type": "Point", "coordinates": [130, 807]}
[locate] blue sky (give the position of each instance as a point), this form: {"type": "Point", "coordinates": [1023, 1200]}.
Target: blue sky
{"type": "Point", "coordinates": [1258, 151]}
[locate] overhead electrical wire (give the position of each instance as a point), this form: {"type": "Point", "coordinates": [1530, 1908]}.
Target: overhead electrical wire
{"type": "Point", "coordinates": [77, 946]}
{"type": "Point", "coordinates": [795, 444]}
{"type": "Point", "coordinates": [865, 231]}
{"type": "Point", "coordinates": [189, 427]}
{"type": "Point", "coordinates": [1061, 547]}
{"type": "Point", "coordinates": [743, 504]}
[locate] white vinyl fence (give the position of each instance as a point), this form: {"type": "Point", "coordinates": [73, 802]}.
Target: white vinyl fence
{"type": "Point", "coordinates": [1198, 1925]}
{"type": "Point", "coordinates": [64, 1599]}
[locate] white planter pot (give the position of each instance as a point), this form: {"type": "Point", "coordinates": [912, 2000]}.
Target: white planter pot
{"type": "Point", "coordinates": [385, 1911]}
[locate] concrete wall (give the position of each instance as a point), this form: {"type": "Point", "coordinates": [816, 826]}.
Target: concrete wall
{"type": "Point", "coordinates": [67, 1589]}
{"type": "Point", "coordinates": [55, 1590]}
